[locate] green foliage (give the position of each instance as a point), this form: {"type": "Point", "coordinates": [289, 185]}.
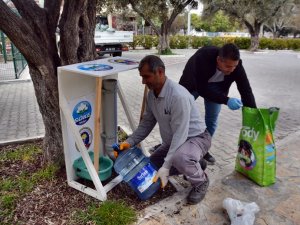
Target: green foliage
{"type": "Point", "coordinates": [293, 44]}
{"type": "Point", "coordinates": [221, 23]}
{"type": "Point", "coordinates": [107, 213]}
{"type": "Point", "coordinates": [8, 201]}
{"type": "Point", "coordinates": [147, 41]}
{"type": "Point", "coordinates": [122, 135]}
{"type": "Point", "coordinates": [155, 40]}
{"type": "Point", "coordinates": [264, 43]}
{"type": "Point", "coordinates": [197, 42]}
{"type": "Point", "coordinates": [166, 51]}
{"type": "Point", "coordinates": [27, 153]}
{"type": "Point", "coordinates": [47, 173]}
{"type": "Point", "coordinates": [179, 42]}
{"type": "Point", "coordinates": [7, 205]}
{"type": "Point", "coordinates": [136, 41]}
{"type": "Point", "coordinates": [279, 43]}
{"type": "Point", "coordinates": [218, 41]}
{"type": "Point", "coordinates": [13, 188]}
{"type": "Point", "coordinates": [196, 22]}
{"type": "Point", "coordinates": [242, 42]}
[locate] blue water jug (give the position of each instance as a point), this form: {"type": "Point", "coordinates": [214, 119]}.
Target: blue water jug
{"type": "Point", "coordinates": [137, 171]}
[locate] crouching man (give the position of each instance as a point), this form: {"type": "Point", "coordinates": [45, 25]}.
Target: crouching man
{"type": "Point", "coordinates": [185, 139]}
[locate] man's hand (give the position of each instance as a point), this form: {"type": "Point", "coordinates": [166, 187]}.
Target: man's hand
{"type": "Point", "coordinates": [120, 147]}
{"type": "Point", "coordinates": [163, 174]}
{"type": "Point", "coordinates": [124, 145]}
{"type": "Point", "coordinates": [234, 103]}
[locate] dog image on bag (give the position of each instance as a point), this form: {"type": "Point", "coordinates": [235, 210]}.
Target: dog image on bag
{"type": "Point", "coordinates": [246, 155]}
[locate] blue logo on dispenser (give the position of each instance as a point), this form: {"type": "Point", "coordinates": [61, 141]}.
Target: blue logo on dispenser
{"type": "Point", "coordinates": [82, 112]}
{"type": "Point", "coordinates": [86, 136]}
{"type": "Point", "coordinates": [95, 67]}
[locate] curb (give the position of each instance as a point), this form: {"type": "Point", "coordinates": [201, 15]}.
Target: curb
{"type": "Point", "coordinates": [21, 140]}
{"type": "Point", "coordinates": [14, 81]}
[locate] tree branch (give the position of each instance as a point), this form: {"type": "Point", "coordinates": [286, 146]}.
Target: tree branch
{"type": "Point", "coordinates": [133, 4]}
{"type": "Point", "coordinates": [18, 31]}
{"type": "Point", "coordinates": [70, 30]}
{"type": "Point", "coordinates": [52, 8]}
{"type": "Point", "coordinates": [177, 10]}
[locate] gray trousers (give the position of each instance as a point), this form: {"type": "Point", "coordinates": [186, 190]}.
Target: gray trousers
{"type": "Point", "coordinates": [186, 159]}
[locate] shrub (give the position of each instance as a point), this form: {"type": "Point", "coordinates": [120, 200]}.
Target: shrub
{"type": "Point", "coordinates": [155, 40]}
{"type": "Point", "coordinates": [218, 41]}
{"type": "Point", "coordinates": [182, 42]}
{"type": "Point", "coordinates": [293, 44]}
{"type": "Point", "coordinates": [264, 43]}
{"type": "Point", "coordinates": [278, 44]}
{"type": "Point", "coordinates": [172, 42]}
{"type": "Point", "coordinates": [242, 42]}
{"type": "Point", "coordinates": [197, 42]}
{"type": "Point", "coordinates": [179, 41]}
{"type": "Point", "coordinates": [136, 41]}
{"type": "Point", "coordinates": [147, 42]}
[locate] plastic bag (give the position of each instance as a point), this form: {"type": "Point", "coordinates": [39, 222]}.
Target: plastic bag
{"type": "Point", "coordinates": [240, 213]}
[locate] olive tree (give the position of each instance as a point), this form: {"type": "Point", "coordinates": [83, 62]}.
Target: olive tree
{"type": "Point", "coordinates": [165, 11]}
{"type": "Point", "coordinates": [252, 13]}
{"type": "Point", "coordinates": [32, 28]}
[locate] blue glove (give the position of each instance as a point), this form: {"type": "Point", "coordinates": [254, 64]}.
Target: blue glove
{"type": "Point", "coordinates": [234, 103]}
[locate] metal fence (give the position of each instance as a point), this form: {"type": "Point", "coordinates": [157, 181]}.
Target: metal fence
{"type": "Point", "coordinates": [12, 62]}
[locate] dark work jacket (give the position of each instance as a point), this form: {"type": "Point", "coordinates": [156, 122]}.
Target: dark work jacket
{"type": "Point", "coordinates": [202, 66]}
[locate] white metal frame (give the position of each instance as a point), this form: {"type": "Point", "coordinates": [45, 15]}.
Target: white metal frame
{"type": "Point", "coordinates": [68, 125]}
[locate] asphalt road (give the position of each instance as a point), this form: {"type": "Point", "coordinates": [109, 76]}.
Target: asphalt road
{"type": "Point", "coordinates": [274, 76]}
{"type": "Point", "coordinates": [275, 80]}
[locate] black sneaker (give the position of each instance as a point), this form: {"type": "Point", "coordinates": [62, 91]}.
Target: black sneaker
{"type": "Point", "coordinates": [198, 192]}
{"type": "Point", "coordinates": [153, 149]}
{"type": "Point", "coordinates": [203, 164]}
{"type": "Point", "coordinates": [209, 158]}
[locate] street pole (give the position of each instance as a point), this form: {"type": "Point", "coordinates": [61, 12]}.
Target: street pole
{"type": "Point", "coordinates": [189, 22]}
{"type": "Point", "coordinates": [3, 46]}
{"type": "Point", "coordinates": [143, 24]}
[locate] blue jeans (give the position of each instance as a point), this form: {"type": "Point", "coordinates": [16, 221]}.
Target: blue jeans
{"type": "Point", "coordinates": [212, 109]}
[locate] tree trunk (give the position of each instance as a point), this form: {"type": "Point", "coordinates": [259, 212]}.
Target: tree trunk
{"type": "Point", "coordinates": [46, 90]}
{"type": "Point", "coordinates": [33, 33]}
{"type": "Point", "coordinates": [254, 42]}
{"type": "Point", "coordinates": [254, 33]}
{"type": "Point", "coordinates": [164, 47]}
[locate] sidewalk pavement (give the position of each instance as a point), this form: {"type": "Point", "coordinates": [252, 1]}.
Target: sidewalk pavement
{"type": "Point", "coordinates": [279, 203]}
{"type": "Point", "coordinates": [20, 120]}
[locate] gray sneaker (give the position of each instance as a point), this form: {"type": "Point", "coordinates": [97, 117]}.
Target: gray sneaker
{"type": "Point", "coordinates": [198, 192]}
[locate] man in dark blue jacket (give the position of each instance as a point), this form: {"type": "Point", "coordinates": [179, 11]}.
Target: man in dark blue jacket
{"type": "Point", "coordinates": [209, 73]}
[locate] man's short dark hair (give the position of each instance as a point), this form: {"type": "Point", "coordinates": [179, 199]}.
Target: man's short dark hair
{"type": "Point", "coordinates": [153, 62]}
{"type": "Point", "coordinates": [230, 51]}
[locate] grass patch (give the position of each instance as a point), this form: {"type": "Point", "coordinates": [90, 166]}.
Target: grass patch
{"type": "Point", "coordinates": [47, 173]}
{"type": "Point", "coordinates": [13, 188]}
{"type": "Point", "coordinates": [167, 51]}
{"type": "Point", "coordinates": [27, 153]}
{"type": "Point", "coordinates": [107, 213]}
{"type": "Point", "coordinates": [15, 185]}
{"type": "Point", "coordinates": [8, 201]}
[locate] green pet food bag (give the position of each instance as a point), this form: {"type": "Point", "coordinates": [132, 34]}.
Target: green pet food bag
{"type": "Point", "coordinates": [256, 156]}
